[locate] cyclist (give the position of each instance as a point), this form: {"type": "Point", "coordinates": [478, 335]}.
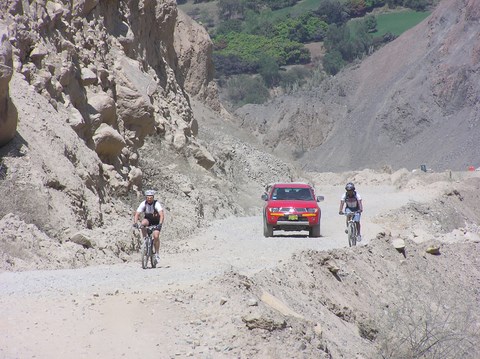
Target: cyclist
{"type": "Point", "coordinates": [153, 215]}
{"type": "Point", "coordinates": [352, 201]}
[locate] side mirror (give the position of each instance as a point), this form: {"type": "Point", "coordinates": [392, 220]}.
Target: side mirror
{"type": "Point", "coordinates": [264, 196]}
{"type": "Point", "coordinates": [320, 198]}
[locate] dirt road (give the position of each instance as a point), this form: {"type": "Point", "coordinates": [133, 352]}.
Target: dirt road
{"type": "Point", "coordinates": [124, 311]}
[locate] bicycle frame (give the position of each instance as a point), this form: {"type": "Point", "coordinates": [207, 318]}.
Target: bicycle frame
{"type": "Point", "coordinates": [351, 229]}
{"type": "Point", "coordinates": [148, 249]}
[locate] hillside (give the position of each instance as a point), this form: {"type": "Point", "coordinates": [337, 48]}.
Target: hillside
{"type": "Point", "coordinates": [109, 98]}
{"type": "Point", "coordinates": [412, 102]}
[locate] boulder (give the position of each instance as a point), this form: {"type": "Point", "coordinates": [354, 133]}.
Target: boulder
{"type": "Point", "coordinates": [104, 105]}
{"type": "Point", "coordinates": [108, 142]}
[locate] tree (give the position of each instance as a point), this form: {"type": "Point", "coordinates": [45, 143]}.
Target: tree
{"type": "Point", "coordinates": [371, 23]}
{"type": "Point", "coordinates": [233, 25]}
{"type": "Point", "coordinates": [269, 70]}
{"type": "Point", "coordinates": [332, 62]}
{"type": "Point", "coordinates": [356, 8]}
{"type": "Point", "coordinates": [332, 12]}
{"type": "Point", "coordinates": [230, 9]}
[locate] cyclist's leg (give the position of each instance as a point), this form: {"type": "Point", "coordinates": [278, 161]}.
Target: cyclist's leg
{"type": "Point", "coordinates": [357, 222]}
{"type": "Point", "coordinates": [156, 241]}
{"type": "Point", "coordinates": [347, 210]}
{"type": "Point", "coordinates": [145, 223]}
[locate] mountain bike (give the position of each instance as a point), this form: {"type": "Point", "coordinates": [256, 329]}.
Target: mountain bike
{"type": "Point", "coordinates": [351, 229]}
{"type": "Point", "coordinates": [148, 249]}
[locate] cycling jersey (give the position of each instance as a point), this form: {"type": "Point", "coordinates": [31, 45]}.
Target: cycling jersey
{"type": "Point", "coordinates": [352, 202]}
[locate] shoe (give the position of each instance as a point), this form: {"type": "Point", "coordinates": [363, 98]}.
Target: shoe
{"type": "Point", "coordinates": [359, 238]}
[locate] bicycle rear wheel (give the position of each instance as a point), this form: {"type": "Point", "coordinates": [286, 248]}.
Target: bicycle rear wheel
{"type": "Point", "coordinates": [352, 234]}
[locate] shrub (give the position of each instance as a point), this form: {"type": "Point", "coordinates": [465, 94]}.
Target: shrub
{"type": "Point", "coordinates": [269, 71]}
{"type": "Point", "coordinates": [227, 65]}
{"type": "Point", "coordinates": [250, 48]}
{"type": "Point", "coordinates": [234, 25]}
{"type": "Point", "coordinates": [333, 62]}
{"type": "Point", "coordinates": [440, 328]}
{"type": "Point", "coordinates": [243, 89]}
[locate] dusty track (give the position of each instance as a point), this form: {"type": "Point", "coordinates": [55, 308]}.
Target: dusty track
{"type": "Point", "coordinates": [122, 310]}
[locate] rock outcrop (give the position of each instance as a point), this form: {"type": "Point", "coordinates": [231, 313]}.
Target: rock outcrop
{"type": "Point", "coordinates": [131, 66]}
{"type": "Point", "coordinates": [8, 113]}
{"type": "Point", "coordinates": [91, 81]}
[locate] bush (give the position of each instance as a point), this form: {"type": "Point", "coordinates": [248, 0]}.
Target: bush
{"type": "Point", "coordinates": [251, 48]}
{"type": "Point", "coordinates": [333, 62]}
{"type": "Point", "coordinates": [295, 77]}
{"type": "Point", "coordinates": [269, 71]}
{"type": "Point", "coordinates": [243, 89]}
{"type": "Point", "coordinates": [332, 12]}
{"type": "Point", "coordinates": [227, 65]}
{"type": "Point", "coordinates": [415, 328]}
{"type": "Point", "coordinates": [234, 25]}
{"type": "Point", "coordinates": [304, 29]}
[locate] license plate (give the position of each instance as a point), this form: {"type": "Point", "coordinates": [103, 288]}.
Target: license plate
{"type": "Point", "coordinates": [292, 217]}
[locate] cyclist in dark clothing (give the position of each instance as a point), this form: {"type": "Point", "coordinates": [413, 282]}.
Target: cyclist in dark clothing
{"type": "Point", "coordinates": [352, 201]}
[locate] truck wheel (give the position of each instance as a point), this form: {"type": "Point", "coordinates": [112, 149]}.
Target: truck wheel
{"type": "Point", "coordinates": [267, 229]}
{"type": "Point", "coordinates": [314, 231]}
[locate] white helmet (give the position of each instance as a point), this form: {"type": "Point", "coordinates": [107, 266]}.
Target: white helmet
{"type": "Point", "coordinates": [150, 192]}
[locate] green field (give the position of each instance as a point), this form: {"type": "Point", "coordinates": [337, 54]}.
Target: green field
{"type": "Point", "coordinates": [398, 22]}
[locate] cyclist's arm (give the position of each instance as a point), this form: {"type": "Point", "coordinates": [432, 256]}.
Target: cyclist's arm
{"type": "Point", "coordinates": [139, 210]}
{"type": "Point", "coordinates": [342, 202]}
{"type": "Point", "coordinates": [160, 211]}
{"type": "Point", "coordinates": [135, 217]}
{"type": "Point", "coordinates": [360, 205]}
{"type": "Point", "coordinates": [162, 216]}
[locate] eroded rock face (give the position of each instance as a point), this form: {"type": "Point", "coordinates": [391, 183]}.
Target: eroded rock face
{"type": "Point", "coordinates": [8, 114]}
{"type": "Point", "coordinates": [129, 65]}
{"type": "Point", "coordinates": [194, 50]}
{"type": "Point", "coordinates": [91, 80]}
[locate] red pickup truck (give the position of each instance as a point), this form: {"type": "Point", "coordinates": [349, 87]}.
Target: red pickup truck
{"type": "Point", "coordinates": [291, 207]}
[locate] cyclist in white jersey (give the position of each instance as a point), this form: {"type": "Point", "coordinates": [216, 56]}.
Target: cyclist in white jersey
{"type": "Point", "coordinates": [153, 215]}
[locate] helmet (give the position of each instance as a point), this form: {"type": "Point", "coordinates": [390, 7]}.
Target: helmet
{"type": "Point", "coordinates": [150, 192]}
{"type": "Point", "coordinates": [350, 186]}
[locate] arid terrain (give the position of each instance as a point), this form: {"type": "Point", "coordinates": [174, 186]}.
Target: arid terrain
{"type": "Point", "coordinates": [228, 292]}
{"type": "Point", "coordinates": [108, 99]}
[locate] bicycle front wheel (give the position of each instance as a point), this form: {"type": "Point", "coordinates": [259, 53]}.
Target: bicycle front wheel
{"type": "Point", "coordinates": [153, 261]}
{"type": "Point", "coordinates": [145, 254]}
{"type": "Point", "coordinates": [352, 234]}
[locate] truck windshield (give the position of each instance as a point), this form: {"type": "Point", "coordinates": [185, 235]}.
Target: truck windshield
{"type": "Point", "coordinates": [302, 194]}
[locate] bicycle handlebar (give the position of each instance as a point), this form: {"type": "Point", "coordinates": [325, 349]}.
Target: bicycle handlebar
{"type": "Point", "coordinates": [349, 213]}
{"type": "Point", "coordinates": [155, 227]}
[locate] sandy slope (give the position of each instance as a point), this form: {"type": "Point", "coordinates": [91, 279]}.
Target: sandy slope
{"type": "Point", "coordinates": [177, 310]}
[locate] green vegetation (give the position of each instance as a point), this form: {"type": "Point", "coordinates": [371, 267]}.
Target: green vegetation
{"type": "Point", "coordinates": [259, 38]}
{"type": "Point", "coordinates": [398, 22]}
{"type": "Point", "coordinates": [251, 48]}
{"type": "Point", "coordinates": [298, 9]}
{"type": "Point", "coordinates": [243, 89]}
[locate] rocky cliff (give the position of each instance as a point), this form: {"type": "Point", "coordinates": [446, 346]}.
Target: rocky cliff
{"type": "Point", "coordinates": [96, 104]}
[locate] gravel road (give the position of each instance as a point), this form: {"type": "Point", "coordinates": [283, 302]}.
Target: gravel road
{"type": "Point", "coordinates": [95, 311]}
{"type": "Point", "coordinates": [232, 243]}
